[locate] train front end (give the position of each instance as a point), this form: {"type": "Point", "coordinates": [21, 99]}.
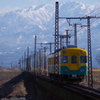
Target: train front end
{"type": "Point", "coordinates": [73, 64]}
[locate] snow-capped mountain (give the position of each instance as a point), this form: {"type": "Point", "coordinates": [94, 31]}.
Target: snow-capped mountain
{"type": "Point", "coordinates": [17, 28]}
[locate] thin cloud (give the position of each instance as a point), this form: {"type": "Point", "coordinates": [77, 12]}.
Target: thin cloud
{"type": "Point", "coordinates": [51, 1]}
{"type": "Point", "coordinates": [34, 1]}
{"type": "Point", "coordinates": [60, 1]}
{"type": "Point", "coordinates": [7, 8]}
{"type": "Point", "coordinates": [98, 49]}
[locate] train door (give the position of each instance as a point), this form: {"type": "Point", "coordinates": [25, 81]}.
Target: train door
{"type": "Point", "coordinates": [74, 61]}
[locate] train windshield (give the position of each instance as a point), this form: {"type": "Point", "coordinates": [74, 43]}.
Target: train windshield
{"type": "Point", "coordinates": [83, 59]}
{"type": "Point", "coordinates": [63, 59]}
{"type": "Point", "coordinates": [73, 59]}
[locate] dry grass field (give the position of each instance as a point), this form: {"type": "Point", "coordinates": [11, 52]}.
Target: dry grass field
{"type": "Point", "coordinates": [12, 83]}
{"type": "Point", "coordinates": [96, 79]}
{"type": "Point", "coordinates": [6, 76]}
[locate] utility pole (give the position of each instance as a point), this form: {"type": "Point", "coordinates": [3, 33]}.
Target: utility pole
{"type": "Point", "coordinates": [24, 60]}
{"type": "Point", "coordinates": [35, 54]}
{"type": "Point", "coordinates": [61, 39]}
{"type": "Point", "coordinates": [45, 61]}
{"type": "Point", "coordinates": [37, 60]}
{"type": "Point", "coordinates": [11, 65]}
{"type": "Point", "coordinates": [75, 34]}
{"type": "Point", "coordinates": [40, 61]}
{"type": "Point", "coordinates": [19, 64]}
{"type": "Point", "coordinates": [50, 47]}
{"type": "Point", "coordinates": [27, 62]}
{"type": "Point", "coordinates": [67, 37]}
{"type": "Point", "coordinates": [30, 62]}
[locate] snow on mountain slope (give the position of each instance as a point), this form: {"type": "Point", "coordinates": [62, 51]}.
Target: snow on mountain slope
{"type": "Point", "coordinates": [17, 28]}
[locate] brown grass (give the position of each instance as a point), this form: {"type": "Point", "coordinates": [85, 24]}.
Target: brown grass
{"type": "Point", "coordinates": [11, 84]}
{"type": "Point", "coordinates": [6, 76]}
{"type": "Point", "coordinates": [96, 79]}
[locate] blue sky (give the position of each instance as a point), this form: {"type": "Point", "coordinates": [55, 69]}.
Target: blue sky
{"type": "Point", "coordinates": [7, 5]}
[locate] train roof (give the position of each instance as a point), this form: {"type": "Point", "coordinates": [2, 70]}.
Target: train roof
{"type": "Point", "coordinates": [69, 47]}
{"type": "Point", "coordinates": [72, 46]}
{"type": "Point", "coordinates": [75, 49]}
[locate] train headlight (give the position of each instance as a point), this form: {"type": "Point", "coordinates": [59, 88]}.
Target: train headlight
{"type": "Point", "coordinates": [66, 70]}
{"type": "Point", "coordinates": [65, 51]}
{"type": "Point", "coordinates": [81, 70]}
{"type": "Point", "coordinates": [82, 51]}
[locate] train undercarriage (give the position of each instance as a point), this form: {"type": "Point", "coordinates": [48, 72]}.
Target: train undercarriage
{"type": "Point", "coordinates": [67, 78]}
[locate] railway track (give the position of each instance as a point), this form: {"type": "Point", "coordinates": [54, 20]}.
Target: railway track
{"type": "Point", "coordinates": [89, 88]}
{"type": "Point", "coordinates": [88, 92]}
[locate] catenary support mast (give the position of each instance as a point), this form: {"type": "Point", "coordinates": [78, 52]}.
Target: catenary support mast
{"type": "Point", "coordinates": [56, 45]}
{"type": "Point", "coordinates": [90, 76]}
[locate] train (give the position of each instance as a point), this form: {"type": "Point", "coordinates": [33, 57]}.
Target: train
{"type": "Point", "coordinates": [72, 64]}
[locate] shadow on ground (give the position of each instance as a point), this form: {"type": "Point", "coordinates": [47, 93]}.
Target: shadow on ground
{"type": "Point", "coordinates": [12, 87]}
{"type": "Point", "coordinates": [18, 86]}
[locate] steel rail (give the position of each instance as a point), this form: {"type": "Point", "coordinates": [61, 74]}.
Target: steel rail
{"type": "Point", "coordinates": [92, 89]}
{"type": "Point", "coordinates": [81, 89]}
{"type": "Point", "coordinates": [88, 92]}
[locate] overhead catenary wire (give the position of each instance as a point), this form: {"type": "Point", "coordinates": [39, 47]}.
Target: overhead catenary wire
{"type": "Point", "coordinates": [95, 12]}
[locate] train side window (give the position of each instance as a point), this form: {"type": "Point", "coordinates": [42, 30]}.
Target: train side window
{"type": "Point", "coordinates": [83, 59]}
{"type": "Point", "coordinates": [73, 59]}
{"type": "Point", "coordinates": [64, 59]}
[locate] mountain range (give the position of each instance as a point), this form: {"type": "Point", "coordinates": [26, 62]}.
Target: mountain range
{"type": "Point", "coordinates": [18, 28]}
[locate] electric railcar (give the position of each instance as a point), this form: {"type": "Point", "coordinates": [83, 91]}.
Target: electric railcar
{"type": "Point", "coordinates": [73, 64]}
